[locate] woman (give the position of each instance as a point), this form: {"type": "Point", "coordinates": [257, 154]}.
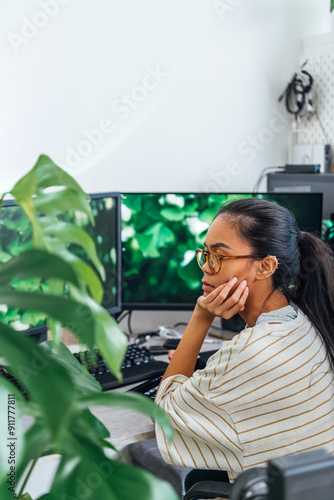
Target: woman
{"type": "Point", "coordinates": [268, 392]}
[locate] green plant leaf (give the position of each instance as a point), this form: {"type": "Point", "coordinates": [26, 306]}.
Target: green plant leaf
{"type": "Point", "coordinates": [27, 285]}
{"type": "Point", "coordinates": [83, 317]}
{"type": "Point", "coordinates": [58, 202]}
{"type": "Point", "coordinates": [94, 425]}
{"type": "Point", "coordinates": [86, 423]}
{"type": "Point", "coordinates": [332, 5]}
{"type": "Point", "coordinates": [44, 174]}
{"type": "Point", "coordinates": [75, 316]}
{"type": "Point", "coordinates": [4, 256]}
{"type": "Point", "coordinates": [84, 382]}
{"type": "Point", "coordinates": [34, 368]}
{"type": "Point", "coordinates": [87, 274]}
{"type": "Point", "coordinates": [91, 475]}
{"type": "Point", "coordinates": [134, 402]}
{"type": "Point", "coordinates": [36, 263]}
{"type": "Point", "coordinates": [66, 233]}
{"type": "Point", "coordinates": [109, 338]}
{"type": "Point", "coordinates": [131, 482]}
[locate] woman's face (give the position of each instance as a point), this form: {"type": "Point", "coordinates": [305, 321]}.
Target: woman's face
{"type": "Point", "coordinates": [223, 240]}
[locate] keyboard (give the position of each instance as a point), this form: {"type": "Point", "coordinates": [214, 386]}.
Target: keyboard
{"type": "Point", "coordinates": [148, 388]}
{"type": "Point", "coordinates": [138, 365]}
{"type": "Point", "coordinates": [13, 380]}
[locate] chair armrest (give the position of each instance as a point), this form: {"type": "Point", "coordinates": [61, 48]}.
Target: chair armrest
{"type": "Point", "coordinates": [209, 489]}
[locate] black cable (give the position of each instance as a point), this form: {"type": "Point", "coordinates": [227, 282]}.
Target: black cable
{"type": "Point", "coordinates": [180, 323]}
{"type": "Point", "coordinates": [122, 316]}
{"type": "Point", "coordinates": [129, 323]}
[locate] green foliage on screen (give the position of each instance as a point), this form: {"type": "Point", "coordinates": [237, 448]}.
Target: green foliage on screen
{"type": "Point", "coordinates": [160, 235]}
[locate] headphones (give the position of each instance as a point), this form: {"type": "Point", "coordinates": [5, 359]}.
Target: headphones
{"type": "Point", "coordinates": [298, 94]}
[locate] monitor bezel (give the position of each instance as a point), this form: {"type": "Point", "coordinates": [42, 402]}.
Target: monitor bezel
{"type": "Point", "coordinates": [171, 306]}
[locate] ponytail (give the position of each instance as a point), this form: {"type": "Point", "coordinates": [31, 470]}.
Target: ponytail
{"type": "Point", "coordinates": [313, 289]}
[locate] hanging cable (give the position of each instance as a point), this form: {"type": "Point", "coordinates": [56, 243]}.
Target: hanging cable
{"type": "Point", "coordinates": [299, 95]}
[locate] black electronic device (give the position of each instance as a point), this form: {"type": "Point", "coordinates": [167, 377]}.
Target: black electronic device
{"type": "Point", "coordinates": [138, 365]}
{"type": "Point", "coordinates": [307, 475]}
{"type": "Point", "coordinates": [149, 387]}
{"type": "Point", "coordinates": [305, 183]}
{"type": "Point", "coordinates": [302, 169]}
{"type": "Point", "coordinates": [161, 231]}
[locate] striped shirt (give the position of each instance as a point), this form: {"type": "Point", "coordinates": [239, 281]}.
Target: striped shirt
{"type": "Point", "coordinates": [268, 392]}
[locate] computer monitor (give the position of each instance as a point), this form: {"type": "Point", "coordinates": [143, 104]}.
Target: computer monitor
{"type": "Point", "coordinates": [284, 182]}
{"type": "Point", "coordinates": [16, 236]}
{"type": "Point", "coordinates": [161, 231]}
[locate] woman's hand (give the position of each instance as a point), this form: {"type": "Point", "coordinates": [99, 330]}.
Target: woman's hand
{"type": "Point", "coordinates": [171, 353]}
{"type": "Point", "coordinates": [219, 303]}
{"type": "Point", "coordinates": [216, 303]}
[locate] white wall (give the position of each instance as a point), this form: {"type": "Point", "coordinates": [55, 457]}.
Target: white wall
{"type": "Point", "coordinates": [203, 78]}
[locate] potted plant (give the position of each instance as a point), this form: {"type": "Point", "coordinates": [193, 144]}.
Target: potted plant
{"type": "Point", "coordinates": [60, 389]}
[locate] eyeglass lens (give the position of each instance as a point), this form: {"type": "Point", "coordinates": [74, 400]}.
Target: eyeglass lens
{"type": "Point", "coordinates": [211, 258]}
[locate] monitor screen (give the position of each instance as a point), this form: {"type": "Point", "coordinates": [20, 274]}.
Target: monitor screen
{"type": "Point", "coordinates": [16, 236]}
{"type": "Point", "coordinates": [161, 231]}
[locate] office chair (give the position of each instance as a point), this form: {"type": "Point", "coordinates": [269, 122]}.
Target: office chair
{"type": "Point", "coordinates": [302, 476]}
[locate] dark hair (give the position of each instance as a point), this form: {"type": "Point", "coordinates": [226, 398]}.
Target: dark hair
{"type": "Point", "coordinates": [306, 271]}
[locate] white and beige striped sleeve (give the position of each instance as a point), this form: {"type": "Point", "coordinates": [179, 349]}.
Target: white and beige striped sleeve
{"type": "Point", "coordinates": [204, 435]}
